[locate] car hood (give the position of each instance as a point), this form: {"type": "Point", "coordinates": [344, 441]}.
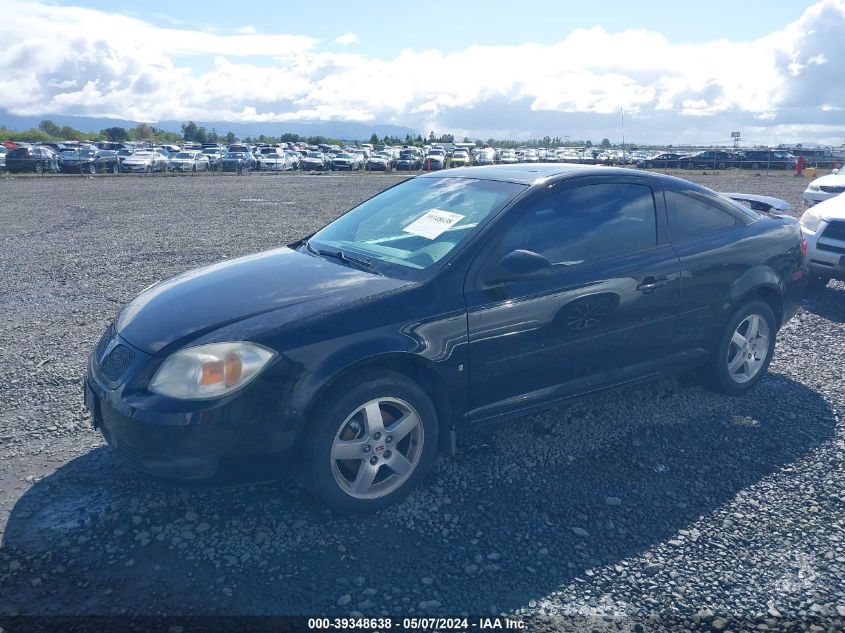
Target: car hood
{"type": "Point", "coordinates": [831, 180]}
{"type": "Point", "coordinates": [831, 209]}
{"type": "Point", "coordinates": [296, 285]}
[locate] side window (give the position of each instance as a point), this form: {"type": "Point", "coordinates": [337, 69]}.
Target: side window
{"type": "Point", "coordinates": [692, 214]}
{"type": "Point", "coordinates": [586, 223]}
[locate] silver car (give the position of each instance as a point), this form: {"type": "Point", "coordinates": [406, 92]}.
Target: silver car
{"type": "Point", "coordinates": [145, 161]}
{"type": "Point", "coordinates": [189, 161]}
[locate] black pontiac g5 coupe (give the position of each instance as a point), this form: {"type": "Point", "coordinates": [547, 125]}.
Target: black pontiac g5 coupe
{"type": "Point", "coordinates": [446, 300]}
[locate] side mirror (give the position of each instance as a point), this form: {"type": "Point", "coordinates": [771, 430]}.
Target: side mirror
{"type": "Point", "coordinates": [521, 265]}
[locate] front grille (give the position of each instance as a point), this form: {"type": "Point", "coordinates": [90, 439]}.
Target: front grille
{"type": "Point", "coordinates": [103, 344]}
{"type": "Point", "coordinates": [832, 189]}
{"type": "Point", "coordinates": [117, 362]}
{"type": "Point", "coordinates": [835, 230]}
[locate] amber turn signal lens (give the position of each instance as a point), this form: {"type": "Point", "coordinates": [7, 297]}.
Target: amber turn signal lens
{"type": "Point", "coordinates": [233, 369]}
{"type": "Point", "coordinates": [212, 372]}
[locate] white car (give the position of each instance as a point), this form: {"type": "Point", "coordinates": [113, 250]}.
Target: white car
{"type": "Point", "coordinates": [825, 187]}
{"type": "Point", "coordinates": [823, 226]}
{"type": "Point", "coordinates": [275, 161]}
{"type": "Point", "coordinates": [460, 158]}
{"type": "Point", "coordinates": [146, 161]}
{"type": "Point", "coordinates": [189, 161]}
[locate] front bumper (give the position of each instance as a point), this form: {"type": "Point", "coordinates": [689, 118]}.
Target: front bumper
{"type": "Point", "coordinates": [185, 440]}
{"type": "Point", "coordinates": [812, 198]}
{"type": "Point", "coordinates": [825, 255]}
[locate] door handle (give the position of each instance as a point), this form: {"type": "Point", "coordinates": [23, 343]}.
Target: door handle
{"type": "Point", "coordinates": [650, 284]}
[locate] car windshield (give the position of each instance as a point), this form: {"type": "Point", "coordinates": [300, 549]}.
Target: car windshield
{"type": "Point", "coordinates": [235, 155]}
{"type": "Point", "coordinates": [415, 224]}
{"type": "Point", "coordinates": [183, 155]}
{"type": "Point", "coordinates": [314, 155]}
{"type": "Point", "coordinates": [344, 156]}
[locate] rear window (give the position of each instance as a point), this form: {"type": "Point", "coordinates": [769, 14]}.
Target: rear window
{"type": "Point", "coordinates": [19, 152]}
{"type": "Point", "coordinates": [693, 214]}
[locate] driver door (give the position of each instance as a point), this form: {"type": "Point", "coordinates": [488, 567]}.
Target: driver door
{"type": "Point", "coordinates": [603, 312]}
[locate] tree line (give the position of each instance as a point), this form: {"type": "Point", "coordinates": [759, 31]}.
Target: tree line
{"type": "Point", "coordinates": [191, 132]}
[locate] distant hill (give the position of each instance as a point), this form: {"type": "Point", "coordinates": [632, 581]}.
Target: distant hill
{"type": "Point", "coordinates": [347, 130]}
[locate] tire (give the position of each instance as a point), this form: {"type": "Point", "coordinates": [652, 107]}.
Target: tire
{"type": "Point", "coordinates": [194, 168]}
{"type": "Point", "coordinates": [343, 413]}
{"type": "Point", "coordinates": [755, 165]}
{"type": "Point", "coordinates": [745, 374]}
{"type": "Point", "coordinates": [115, 168]}
{"type": "Point", "coordinates": [148, 170]}
{"type": "Point", "coordinates": [816, 281]}
{"type": "Point", "coordinates": [92, 169]}
{"type": "Point", "coordinates": [39, 168]}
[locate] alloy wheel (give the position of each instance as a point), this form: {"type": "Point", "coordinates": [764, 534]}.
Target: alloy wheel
{"type": "Point", "coordinates": [377, 448]}
{"type": "Point", "coordinates": [748, 349]}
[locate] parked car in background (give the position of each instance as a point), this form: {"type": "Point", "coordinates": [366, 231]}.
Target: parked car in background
{"type": "Point", "coordinates": [766, 159]}
{"type": "Point", "coordinates": [381, 161]}
{"type": "Point", "coordinates": [214, 155]}
{"type": "Point", "coordinates": [667, 160]}
{"type": "Point", "coordinates": [708, 159]}
{"type": "Point", "coordinates": [346, 161]}
{"type": "Point", "coordinates": [314, 161]}
{"type": "Point", "coordinates": [409, 160]}
{"type": "Point", "coordinates": [32, 158]}
{"type": "Point", "coordinates": [90, 161]}
{"type": "Point", "coordinates": [459, 158]}
{"type": "Point", "coordinates": [295, 158]}
{"type": "Point", "coordinates": [123, 154]}
{"type": "Point", "coordinates": [192, 161]}
{"type": "Point", "coordinates": [434, 161]}
{"type": "Point", "coordinates": [237, 161]}
{"type": "Point", "coordinates": [275, 161]}
{"type": "Point", "coordinates": [825, 188]}
{"type": "Point", "coordinates": [508, 157]}
{"type": "Point", "coordinates": [349, 336]}
{"type": "Point", "coordinates": [485, 157]}
{"type": "Point", "coordinates": [3, 152]}
{"type": "Point", "coordinates": [824, 227]}
{"type": "Point", "coordinates": [145, 161]}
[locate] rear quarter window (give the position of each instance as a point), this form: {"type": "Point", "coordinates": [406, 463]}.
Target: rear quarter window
{"type": "Point", "coordinates": [694, 214]}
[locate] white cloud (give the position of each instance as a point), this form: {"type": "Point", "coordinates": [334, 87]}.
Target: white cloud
{"type": "Point", "coordinates": [347, 38]}
{"type": "Point", "coordinates": [60, 59]}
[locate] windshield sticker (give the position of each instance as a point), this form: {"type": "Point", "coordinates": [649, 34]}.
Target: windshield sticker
{"type": "Point", "coordinates": [433, 223]}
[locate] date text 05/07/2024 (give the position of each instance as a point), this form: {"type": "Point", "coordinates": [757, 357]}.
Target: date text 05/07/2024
{"type": "Point", "coordinates": [417, 623]}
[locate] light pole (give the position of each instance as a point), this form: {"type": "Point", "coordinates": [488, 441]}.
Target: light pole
{"type": "Point", "coordinates": [622, 119]}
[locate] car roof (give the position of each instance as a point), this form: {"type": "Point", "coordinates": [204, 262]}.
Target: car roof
{"type": "Point", "coordinates": [524, 174]}
{"type": "Point", "coordinates": [531, 173]}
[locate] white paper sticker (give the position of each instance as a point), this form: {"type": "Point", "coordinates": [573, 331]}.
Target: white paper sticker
{"type": "Point", "coordinates": [433, 223]}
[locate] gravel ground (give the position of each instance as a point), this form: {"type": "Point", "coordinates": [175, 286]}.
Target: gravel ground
{"type": "Point", "coordinates": [661, 506]}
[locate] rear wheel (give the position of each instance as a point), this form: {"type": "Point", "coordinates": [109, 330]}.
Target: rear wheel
{"type": "Point", "coordinates": [39, 168]}
{"type": "Point", "coordinates": [92, 168]}
{"type": "Point", "coordinates": [370, 444]}
{"type": "Point", "coordinates": [115, 168]}
{"type": "Point", "coordinates": [744, 349]}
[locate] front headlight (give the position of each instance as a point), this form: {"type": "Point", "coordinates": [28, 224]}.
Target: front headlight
{"type": "Point", "coordinates": [210, 371]}
{"type": "Point", "coordinates": [810, 220]}
{"type": "Point", "coordinates": [813, 187]}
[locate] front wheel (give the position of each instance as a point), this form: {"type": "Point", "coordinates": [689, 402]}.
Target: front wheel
{"type": "Point", "coordinates": [370, 444]}
{"type": "Point", "coordinates": [115, 168]}
{"type": "Point", "coordinates": [39, 168]}
{"type": "Point", "coordinates": [744, 349]}
{"type": "Point", "coordinates": [92, 169]}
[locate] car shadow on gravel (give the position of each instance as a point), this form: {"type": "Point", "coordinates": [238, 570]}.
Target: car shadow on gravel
{"type": "Point", "coordinates": [94, 538]}
{"type": "Point", "coordinates": [827, 302]}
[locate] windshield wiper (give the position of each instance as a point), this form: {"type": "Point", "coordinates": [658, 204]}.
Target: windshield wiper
{"type": "Point", "coordinates": [346, 259]}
